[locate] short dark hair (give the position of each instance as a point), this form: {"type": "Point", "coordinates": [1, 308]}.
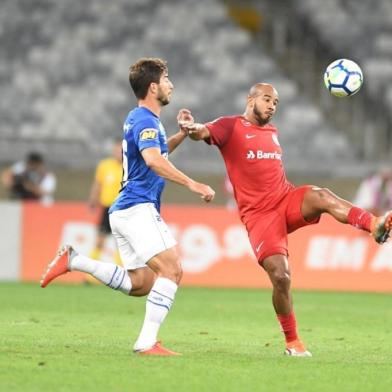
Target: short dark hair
{"type": "Point", "coordinates": [35, 157]}
{"type": "Point", "coordinates": [145, 71]}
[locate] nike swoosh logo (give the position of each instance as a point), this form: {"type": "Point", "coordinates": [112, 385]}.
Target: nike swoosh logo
{"type": "Point", "coordinates": [250, 136]}
{"type": "Point", "coordinates": [259, 246]}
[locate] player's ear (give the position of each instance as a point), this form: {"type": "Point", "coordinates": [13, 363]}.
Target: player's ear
{"type": "Point", "coordinates": [153, 88]}
{"type": "Point", "coordinates": [250, 101]}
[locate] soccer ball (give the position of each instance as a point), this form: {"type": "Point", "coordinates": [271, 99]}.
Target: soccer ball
{"type": "Point", "coordinates": [343, 78]}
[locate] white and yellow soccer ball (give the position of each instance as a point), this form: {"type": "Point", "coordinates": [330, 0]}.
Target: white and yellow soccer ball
{"type": "Point", "coordinates": [343, 78]}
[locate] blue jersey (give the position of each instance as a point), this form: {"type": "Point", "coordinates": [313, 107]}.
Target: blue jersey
{"type": "Point", "coordinates": [142, 129]}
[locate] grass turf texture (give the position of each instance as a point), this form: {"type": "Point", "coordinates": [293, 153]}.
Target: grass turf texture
{"type": "Point", "coordinates": [77, 338]}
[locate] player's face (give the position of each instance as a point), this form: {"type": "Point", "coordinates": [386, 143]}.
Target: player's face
{"type": "Point", "coordinates": [165, 88]}
{"type": "Point", "coordinates": [35, 166]}
{"type": "Point", "coordinates": [265, 105]}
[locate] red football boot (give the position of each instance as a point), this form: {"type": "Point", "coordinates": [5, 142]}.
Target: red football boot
{"type": "Point", "coordinates": [297, 349]}
{"type": "Point", "coordinates": [58, 266]}
{"type": "Point", "coordinates": [381, 227]}
{"type": "Point", "coordinates": [158, 350]}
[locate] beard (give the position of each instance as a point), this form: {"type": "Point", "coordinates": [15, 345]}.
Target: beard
{"type": "Point", "coordinates": [162, 98]}
{"type": "Point", "coordinates": [259, 117]}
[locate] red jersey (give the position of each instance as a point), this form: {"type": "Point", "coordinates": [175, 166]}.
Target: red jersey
{"type": "Point", "coordinates": [253, 159]}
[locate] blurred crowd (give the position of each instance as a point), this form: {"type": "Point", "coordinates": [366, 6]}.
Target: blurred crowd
{"type": "Point", "coordinates": [30, 179]}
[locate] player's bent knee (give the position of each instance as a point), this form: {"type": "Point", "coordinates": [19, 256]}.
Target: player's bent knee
{"type": "Point", "coordinates": [179, 273]}
{"type": "Point", "coordinates": [142, 281]}
{"type": "Point", "coordinates": [171, 266]}
{"type": "Point", "coordinates": [172, 272]}
{"type": "Point", "coordinates": [281, 281]}
{"type": "Point", "coordinates": [325, 194]}
{"type": "Point", "coordinates": [322, 198]}
{"type": "Point", "coordinates": [167, 265]}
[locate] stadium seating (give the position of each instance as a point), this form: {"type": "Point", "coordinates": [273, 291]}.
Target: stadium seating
{"type": "Point", "coordinates": [361, 30]}
{"type": "Point", "coordinates": [64, 76]}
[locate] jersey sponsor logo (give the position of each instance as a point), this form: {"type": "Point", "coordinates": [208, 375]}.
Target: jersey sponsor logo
{"type": "Point", "coordinates": [275, 139]}
{"type": "Point", "coordinates": [148, 134]}
{"type": "Point", "coordinates": [260, 154]}
{"type": "Point", "coordinates": [250, 155]}
{"type": "Point", "coordinates": [248, 136]}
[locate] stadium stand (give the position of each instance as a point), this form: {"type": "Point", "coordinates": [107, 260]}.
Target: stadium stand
{"type": "Point", "coordinates": [361, 31]}
{"type": "Point", "coordinates": [64, 77]}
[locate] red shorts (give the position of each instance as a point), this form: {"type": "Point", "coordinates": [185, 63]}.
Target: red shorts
{"type": "Point", "coordinates": [268, 231]}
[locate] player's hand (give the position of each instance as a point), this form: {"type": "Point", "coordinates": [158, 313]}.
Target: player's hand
{"type": "Point", "coordinates": [194, 130]}
{"type": "Point", "coordinates": [192, 127]}
{"type": "Point", "coordinates": [206, 192]}
{"type": "Point", "coordinates": [184, 116]}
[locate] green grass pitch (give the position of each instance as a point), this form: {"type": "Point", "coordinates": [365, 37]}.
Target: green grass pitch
{"type": "Point", "coordinates": [78, 338]}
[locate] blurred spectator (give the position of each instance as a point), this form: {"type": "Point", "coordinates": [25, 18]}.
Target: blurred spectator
{"type": "Point", "coordinates": [105, 188]}
{"type": "Point", "coordinates": [375, 192]}
{"type": "Point", "coordinates": [30, 180]}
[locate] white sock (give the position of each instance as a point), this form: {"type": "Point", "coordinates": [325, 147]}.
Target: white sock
{"type": "Point", "coordinates": [111, 275]}
{"type": "Point", "coordinates": [158, 304]}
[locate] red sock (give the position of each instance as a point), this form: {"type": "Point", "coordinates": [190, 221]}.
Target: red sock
{"type": "Point", "coordinates": [360, 218]}
{"type": "Point", "coordinates": [289, 326]}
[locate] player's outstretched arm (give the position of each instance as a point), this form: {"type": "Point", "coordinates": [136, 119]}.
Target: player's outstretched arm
{"type": "Point", "coordinates": [175, 140]}
{"type": "Point", "coordinates": [161, 166]}
{"type": "Point", "coordinates": [196, 131]}
{"type": "Point", "coordinates": [184, 115]}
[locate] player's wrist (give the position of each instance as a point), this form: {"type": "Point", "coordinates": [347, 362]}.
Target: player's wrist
{"type": "Point", "coordinates": [183, 133]}
{"type": "Point", "coordinates": [190, 183]}
{"type": "Point", "coordinates": [182, 130]}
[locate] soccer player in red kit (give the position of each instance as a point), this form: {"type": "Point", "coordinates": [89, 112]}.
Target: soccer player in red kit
{"type": "Point", "coordinates": [269, 205]}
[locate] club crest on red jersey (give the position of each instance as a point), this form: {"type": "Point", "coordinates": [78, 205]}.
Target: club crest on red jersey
{"type": "Point", "coordinates": [246, 123]}
{"type": "Point", "coordinates": [275, 139]}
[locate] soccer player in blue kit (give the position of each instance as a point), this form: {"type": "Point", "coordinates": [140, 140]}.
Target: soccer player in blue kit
{"type": "Point", "coordinates": [146, 246]}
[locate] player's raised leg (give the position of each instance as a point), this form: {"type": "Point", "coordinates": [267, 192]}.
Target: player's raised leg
{"type": "Point", "coordinates": [67, 259]}
{"type": "Point", "coordinates": [321, 200]}
{"type": "Point", "coordinates": [278, 270]}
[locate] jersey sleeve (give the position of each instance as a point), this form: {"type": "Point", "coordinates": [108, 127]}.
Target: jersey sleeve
{"type": "Point", "coordinates": [220, 130]}
{"type": "Point", "coordinates": [146, 134]}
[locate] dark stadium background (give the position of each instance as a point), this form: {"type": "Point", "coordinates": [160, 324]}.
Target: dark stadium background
{"type": "Point", "coordinates": [63, 77]}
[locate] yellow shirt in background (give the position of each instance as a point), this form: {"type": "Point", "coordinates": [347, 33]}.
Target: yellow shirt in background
{"type": "Point", "coordinates": [109, 176]}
